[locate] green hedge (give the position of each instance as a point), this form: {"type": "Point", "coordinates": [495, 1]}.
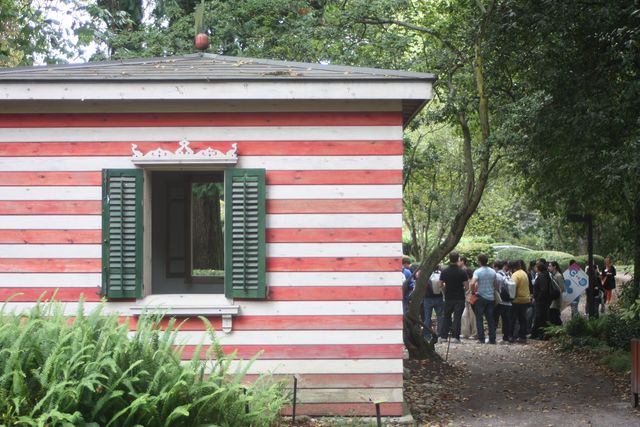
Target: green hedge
{"type": "Point", "coordinates": [471, 251]}
{"type": "Point", "coordinates": [562, 258]}
{"type": "Point", "coordinates": [91, 371]}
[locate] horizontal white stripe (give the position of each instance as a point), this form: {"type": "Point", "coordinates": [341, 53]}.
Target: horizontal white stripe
{"type": "Point", "coordinates": [220, 90]}
{"type": "Point", "coordinates": [273, 192]}
{"type": "Point", "coordinates": [63, 280]}
{"type": "Point", "coordinates": [262, 308]}
{"type": "Point", "coordinates": [337, 366]}
{"type": "Point", "coordinates": [334, 191]}
{"type": "Point", "coordinates": [293, 337]}
{"type": "Point", "coordinates": [51, 193]}
{"type": "Point", "coordinates": [51, 222]}
{"type": "Point", "coordinates": [201, 133]}
{"type": "Point", "coordinates": [333, 249]}
{"type": "Point", "coordinates": [186, 106]}
{"type": "Point", "coordinates": [320, 308]}
{"type": "Point", "coordinates": [334, 279]}
{"type": "Point", "coordinates": [54, 222]}
{"type": "Point", "coordinates": [51, 251]}
{"type": "Point", "coordinates": [345, 395]}
{"type": "Point", "coordinates": [74, 164]}
{"type": "Point", "coordinates": [277, 279]}
{"type": "Point", "coordinates": [321, 162]}
{"type": "Point", "coordinates": [334, 220]}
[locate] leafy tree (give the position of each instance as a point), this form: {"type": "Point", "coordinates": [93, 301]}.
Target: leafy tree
{"type": "Point", "coordinates": [29, 32]}
{"type": "Point", "coordinates": [457, 40]}
{"type": "Point", "coordinates": [580, 145]}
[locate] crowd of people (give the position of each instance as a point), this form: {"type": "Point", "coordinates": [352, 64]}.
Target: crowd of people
{"type": "Point", "coordinates": [468, 302]}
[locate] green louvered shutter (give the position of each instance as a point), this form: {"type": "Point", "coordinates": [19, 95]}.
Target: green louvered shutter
{"type": "Point", "coordinates": [122, 233]}
{"type": "Point", "coordinates": [244, 196]}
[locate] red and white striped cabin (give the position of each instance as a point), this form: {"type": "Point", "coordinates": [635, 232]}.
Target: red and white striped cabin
{"type": "Point", "coordinates": [99, 165]}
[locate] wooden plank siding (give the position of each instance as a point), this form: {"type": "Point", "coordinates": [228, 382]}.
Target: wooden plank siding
{"type": "Point", "coordinates": [333, 315]}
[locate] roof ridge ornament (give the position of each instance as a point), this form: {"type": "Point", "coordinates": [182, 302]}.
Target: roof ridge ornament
{"type": "Point", "coordinates": [184, 154]}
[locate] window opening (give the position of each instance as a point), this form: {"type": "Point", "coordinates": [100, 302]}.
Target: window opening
{"type": "Point", "coordinates": [205, 215]}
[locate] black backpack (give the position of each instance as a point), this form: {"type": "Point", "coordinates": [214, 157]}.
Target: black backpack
{"type": "Point", "coordinates": [554, 289]}
{"type": "Point", "coordinates": [504, 288]}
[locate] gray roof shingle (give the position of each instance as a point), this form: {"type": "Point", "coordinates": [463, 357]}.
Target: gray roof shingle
{"type": "Point", "coordinates": [202, 67]}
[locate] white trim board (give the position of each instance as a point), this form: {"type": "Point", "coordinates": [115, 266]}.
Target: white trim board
{"type": "Point", "coordinates": [249, 90]}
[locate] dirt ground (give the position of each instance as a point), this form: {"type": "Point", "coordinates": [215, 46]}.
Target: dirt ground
{"type": "Point", "coordinates": [516, 385]}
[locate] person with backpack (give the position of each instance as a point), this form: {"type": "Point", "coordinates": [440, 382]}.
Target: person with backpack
{"type": "Point", "coordinates": [542, 299]}
{"type": "Point", "coordinates": [503, 309]}
{"type": "Point", "coordinates": [484, 283]}
{"type": "Point", "coordinates": [433, 302]}
{"type": "Point", "coordinates": [454, 282]}
{"type": "Point", "coordinates": [557, 283]}
{"type": "Point", "coordinates": [408, 283]}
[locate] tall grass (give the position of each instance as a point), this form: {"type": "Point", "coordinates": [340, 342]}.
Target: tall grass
{"type": "Point", "coordinates": [91, 371]}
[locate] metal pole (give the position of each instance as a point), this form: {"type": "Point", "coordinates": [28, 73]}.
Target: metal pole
{"type": "Point", "coordinates": [589, 219]}
{"type": "Point", "coordinates": [378, 419]}
{"type": "Point", "coordinates": [295, 390]}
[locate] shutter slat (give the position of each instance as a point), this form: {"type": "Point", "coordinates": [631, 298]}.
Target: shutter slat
{"type": "Point", "coordinates": [245, 231]}
{"type": "Point", "coordinates": [122, 233]}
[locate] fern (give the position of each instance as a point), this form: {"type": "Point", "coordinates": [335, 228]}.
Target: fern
{"type": "Point", "coordinates": [91, 370]}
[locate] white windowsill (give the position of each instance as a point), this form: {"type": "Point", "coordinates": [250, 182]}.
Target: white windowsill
{"type": "Point", "coordinates": [189, 305]}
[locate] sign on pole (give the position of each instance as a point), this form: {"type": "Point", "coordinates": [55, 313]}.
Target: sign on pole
{"type": "Point", "coordinates": [575, 282]}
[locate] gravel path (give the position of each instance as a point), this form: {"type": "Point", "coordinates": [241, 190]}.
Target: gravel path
{"type": "Point", "coordinates": [516, 385]}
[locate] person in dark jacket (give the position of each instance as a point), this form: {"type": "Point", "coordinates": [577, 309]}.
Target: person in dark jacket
{"type": "Point", "coordinates": [608, 280]}
{"type": "Point", "coordinates": [455, 283]}
{"type": "Point", "coordinates": [542, 300]}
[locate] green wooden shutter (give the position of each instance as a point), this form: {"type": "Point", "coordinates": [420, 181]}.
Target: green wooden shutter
{"type": "Point", "coordinates": [244, 196]}
{"type": "Point", "coordinates": [122, 233]}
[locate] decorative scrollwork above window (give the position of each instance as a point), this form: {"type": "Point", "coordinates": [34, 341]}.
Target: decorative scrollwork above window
{"type": "Point", "coordinates": [185, 155]}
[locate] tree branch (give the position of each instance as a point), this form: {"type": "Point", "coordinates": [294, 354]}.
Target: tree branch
{"type": "Point", "coordinates": [414, 27]}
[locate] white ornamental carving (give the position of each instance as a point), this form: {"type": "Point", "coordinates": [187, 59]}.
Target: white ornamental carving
{"type": "Point", "coordinates": [185, 155]}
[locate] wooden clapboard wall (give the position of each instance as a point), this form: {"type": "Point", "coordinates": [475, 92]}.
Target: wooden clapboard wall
{"type": "Point", "coordinates": [334, 206]}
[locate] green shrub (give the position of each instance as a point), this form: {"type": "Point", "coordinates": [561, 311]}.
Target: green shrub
{"type": "Point", "coordinates": [563, 258]}
{"type": "Point", "coordinates": [619, 361]}
{"type": "Point", "coordinates": [627, 295]}
{"type": "Point", "coordinates": [619, 331]}
{"type": "Point", "coordinates": [472, 250]}
{"type": "Point", "coordinates": [513, 253]}
{"type": "Point", "coordinates": [92, 371]}
{"type": "Point", "coordinates": [582, 327]}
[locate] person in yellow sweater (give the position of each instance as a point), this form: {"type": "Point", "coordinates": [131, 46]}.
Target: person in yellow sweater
{"type": "Point", "coordinates": [521, 301]}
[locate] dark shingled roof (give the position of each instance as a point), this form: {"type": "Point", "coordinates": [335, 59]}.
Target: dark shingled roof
{"type": "Point", "coordinates": [202, 67]}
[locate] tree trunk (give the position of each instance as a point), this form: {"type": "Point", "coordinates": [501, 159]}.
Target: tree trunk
{"type": "Point", "coordinates": [207, 238]}
{"type": "Point", "coordinates": [636, 246]}
{"type": "Point", "coordinates": [416, 345]}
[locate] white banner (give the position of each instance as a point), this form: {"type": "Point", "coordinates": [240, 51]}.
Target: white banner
{"type": "Point", "coordinates": [575, 283]}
